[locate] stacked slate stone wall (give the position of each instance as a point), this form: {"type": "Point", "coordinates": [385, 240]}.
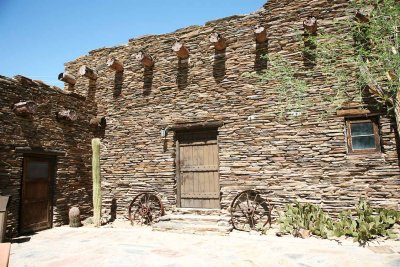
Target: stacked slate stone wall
{"type": "Point", "coordinates": [43, 132]}
{"type": "Point", "coordinates": [291, 159]}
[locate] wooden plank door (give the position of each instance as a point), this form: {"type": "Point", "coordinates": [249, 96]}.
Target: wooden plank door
{"type": "Point", "coordinates": [198, 177]}
{"type": "Point", "coordinates": [36, 209]}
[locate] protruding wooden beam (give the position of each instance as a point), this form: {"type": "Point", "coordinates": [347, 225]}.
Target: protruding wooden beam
{"type": "Point", "coordinates": [87, 72]}
{"type": "Point", "coordinates": [114, 64]}
{"type": "Point", "coordinates": [352, 112]}
{"type": "Point", "coordinates": [25, 108]}
{"type": "Point", "coordinates": [67, 78]}
{"type": "Point", "coordinates": [98, 122]}
{"type": "Point", "coordinates": [218, 41]}
{"type": "Point", "coordinates": [392, 76]}
{"type": "Point", "coordinates": [310, 25]}
{"type": "Point", "coordinates": [362, 14]}
{"type": "Point", "coordinates": [361, 17]}
{"type": "Point", "coordinates": [145, 58]}
{"type": "Point", "coordinates": [196, 125]}
{"type": "Point", "coordinates": [67, 114]}
{"type": "Point", "coordinates": [261, 34]}
{"type": "Point", "coordinates": [181, 51]}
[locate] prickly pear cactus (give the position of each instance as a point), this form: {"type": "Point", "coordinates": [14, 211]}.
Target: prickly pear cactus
{"type": "Point", "coordinates": [74, 217]}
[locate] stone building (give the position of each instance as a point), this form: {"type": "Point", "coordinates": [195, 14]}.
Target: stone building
{"type": "Point", "coordinates": [207, 97]}
{"type": "Point", "coordinates": [186, 123]}
{"type": "Point", "coordinates": [44, 158]}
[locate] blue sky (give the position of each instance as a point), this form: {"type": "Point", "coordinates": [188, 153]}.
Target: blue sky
{"type": "Point", "coordinates": [38, 36]}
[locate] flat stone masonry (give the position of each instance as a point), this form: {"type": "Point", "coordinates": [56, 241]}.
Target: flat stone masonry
{"type": "Point", "coordinates": [291, 159]}
{"type": "Point", "coordinates": [295, 158]}
{"type": "Point", "coordinates": [41, 131]}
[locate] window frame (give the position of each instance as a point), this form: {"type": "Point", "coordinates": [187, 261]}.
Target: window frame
{"type": "Point", "coordinates": [377, 136]}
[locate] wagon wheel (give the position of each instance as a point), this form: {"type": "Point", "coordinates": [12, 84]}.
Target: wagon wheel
{"type": "Point", "coordinates": [248, 208]}
{"type": "Point", "coordinates": [145, 208]}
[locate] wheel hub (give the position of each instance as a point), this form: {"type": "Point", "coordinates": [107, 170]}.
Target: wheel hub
{"type": "Point", "coordinates": [250, 210]}
{"type": "Point", "coordinates": [144, 211]}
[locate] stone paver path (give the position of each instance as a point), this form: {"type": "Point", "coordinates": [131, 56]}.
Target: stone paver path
{"type": "Point", "coordinates": [66, 246]}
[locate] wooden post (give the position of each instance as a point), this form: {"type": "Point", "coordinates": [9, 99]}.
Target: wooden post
{"type": "Point", "coordinates": [181, 51]}
{"type": "Point", "coordinates": [310, 25]}
{"type": "Point", "coordinates": [397, 110]}
{"type": "Point", "coordinates": [362, 14]}
{"type": "Point", "coordinates": [98, 122]}
{"type": "Point", "coordinates": [87, 72]}
{"type": "Point", "coordinates": [67, 78]}
{"type": "Point", "coordinates": [25, 108]}
{"type": "Point", "coordinates": [261, 34]}
{"type": "Point", "coordinates": [218, 41]}
{"type": "Point", "coordinates": [67, 114]}
{"type": "Point", "coordinates": [363, 18]}
{"type": "Point", "coordinates": [114, 64]}
{"type": "Point", "coordinates": [145, 58]}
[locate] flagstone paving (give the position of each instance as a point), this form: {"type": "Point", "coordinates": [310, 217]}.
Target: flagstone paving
{"type": "Point", "coordinates": [64, 246]}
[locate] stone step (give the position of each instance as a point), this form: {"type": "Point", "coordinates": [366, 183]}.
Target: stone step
{"type": "Point", "coordinates": [193, 218]}
{"type": "Point", "coordinates": [190, 228]}
{"type": "Point", "coordinates": [197, 211]}
{"type": "Point", "coordinates": [196, 222]}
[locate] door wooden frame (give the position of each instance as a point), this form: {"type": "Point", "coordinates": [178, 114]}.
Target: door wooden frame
{"type": "Point", "coordinates": [178, 174]}
{"type": "Point", "coordinates": [177, 160]}
{"type": "Point", "coordinates": [51, 183]}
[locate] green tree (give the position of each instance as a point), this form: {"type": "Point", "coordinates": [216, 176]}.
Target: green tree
{"type": "Point", "coordinates": [361, 54]}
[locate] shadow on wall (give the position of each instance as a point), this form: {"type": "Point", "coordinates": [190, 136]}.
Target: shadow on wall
{"type": "Point", "coordinates": [78, 154]}
{"type": "Point", "coordinates": [113, 211]}
{"type": "Point", "coordinates": [118, 81]}
{"type": "Point", "coordinates": [261, 61]}
{"type": "Point", "coordinates": [219, 66]}
{"type": "Point", "coordinates": [92, 90]}
{"type": "Point", "coordinates": [30, 131]}
{"type": "Point", "coordinates": [183, 72]}
{"type": "Point", "coordinates": [148, 80]}
{"type": "Point", "coordinates": [309, 51]}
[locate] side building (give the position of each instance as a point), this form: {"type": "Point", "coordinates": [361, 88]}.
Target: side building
{"type": "Point", "coordinates": [45, 154]}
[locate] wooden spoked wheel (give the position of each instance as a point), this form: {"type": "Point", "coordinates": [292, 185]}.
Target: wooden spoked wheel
{"type": "Point", "coordinates": [145, 208]}
{"type": "Point", "coordinates": [248, 209]}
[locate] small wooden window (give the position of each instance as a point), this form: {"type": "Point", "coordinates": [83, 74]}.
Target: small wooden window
{"type": "Point", "coordinates": [363, 135]}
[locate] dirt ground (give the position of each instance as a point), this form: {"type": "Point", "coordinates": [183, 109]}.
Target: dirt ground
{"type": "Point", "coordinates": [140, 246]}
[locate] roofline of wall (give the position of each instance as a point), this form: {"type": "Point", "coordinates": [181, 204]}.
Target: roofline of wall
{"type": "Point", "coordinates": [27, 82]}
{"type": "Point", "coordinates": [177, 31]}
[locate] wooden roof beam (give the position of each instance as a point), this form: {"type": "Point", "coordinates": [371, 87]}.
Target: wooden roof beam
{"type": "Point", "coordinates": [181, 51]}
{"type": "Point", "coordinates": [114, 64]}
{"type": "Point", "coordinates": [145, 59]}
{"type": "Point", "coordinates": [260, 33]}
{"type": "Point", "coordinates": [87, 72]}
{"type": "Point", "coordinates": [310, 25]}
{"type": "Point", "coordinates": [218, 41]}
{"type": "Point", "coordinates": [67, 78]}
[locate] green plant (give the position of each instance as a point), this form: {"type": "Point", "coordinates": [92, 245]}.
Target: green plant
{"type": "Point", "coordinates": [96, 181]}
{"type": "Point", "coordinates": [306, 216]}
{"type": "Point", "coordinates": [367, 224]}
{"type": "Point", "coordinates": [262, 228]}
{"type": "Point", "coordinates": [360, 57]}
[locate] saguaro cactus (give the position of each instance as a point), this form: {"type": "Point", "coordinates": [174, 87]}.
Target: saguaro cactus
{"type": "Point", "coordinates": [96, 181]}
